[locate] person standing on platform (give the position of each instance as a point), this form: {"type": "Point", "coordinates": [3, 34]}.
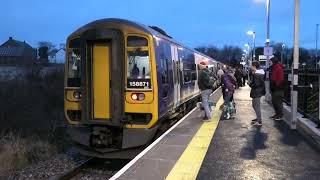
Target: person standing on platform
{"type": "Point", "coordinates": [238, 76]}
{"type": "Point", "coordinates": [220, 72]}
{"type": "Point", "coordinates": [257, 90]}
{"type": "Point", "coordinates": [244, 75]}
{"type": "Point", "coordinates": [277, 88]}
{"type": "Point", "coordinates": [224, 70]}
{"type": "Point", "coordinates": [236, 86]}
{"type": "Point", "coordinates": [228, 87]}
{"type": "Point", "coordinates": [206, 89]}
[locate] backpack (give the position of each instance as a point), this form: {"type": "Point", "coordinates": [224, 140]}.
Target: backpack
{"type": "Point", "coordinates": [227, 82]}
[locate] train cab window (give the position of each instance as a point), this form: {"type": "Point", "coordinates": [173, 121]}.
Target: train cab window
{"type": "Point", "coordinates": [138, 70]}
{"type": "Point", "coordinates": [74, 64]}
{"type": "Point", "coordinates": [138, 63]}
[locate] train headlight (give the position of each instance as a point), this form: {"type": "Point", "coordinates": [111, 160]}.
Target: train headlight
{"type": "Point", "coordinates": [137, 96]}
{"type": "Point", "coordinates": [134, 96]}
{"type": "Point", "coordinates": [77, 95]}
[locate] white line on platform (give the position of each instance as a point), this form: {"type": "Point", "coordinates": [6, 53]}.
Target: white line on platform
{"type": "Point", "coordinates": [215, 91]}
{"type": "Point", "coordinates": [134, 160]}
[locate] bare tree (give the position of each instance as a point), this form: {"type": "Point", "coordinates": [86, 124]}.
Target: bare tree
{"type": "Point", "coordinates": [227, 54]}
{"type": "Point", "coordinates": [48, 49]}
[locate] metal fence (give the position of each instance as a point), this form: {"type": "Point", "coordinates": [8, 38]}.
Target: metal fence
{"type": "Point", "coordinates": [308, 93]}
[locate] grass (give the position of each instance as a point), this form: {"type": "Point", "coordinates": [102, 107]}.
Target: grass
{"type": "Point", "coordinates": [16, 152]}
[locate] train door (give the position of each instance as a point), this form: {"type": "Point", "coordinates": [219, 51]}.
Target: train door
{"type": "Point", "coordinates": [102, 75]}
{"type": "Point", "coordinates": [176, 74]}
{"type": "Point", "coordinates": [101, 58]}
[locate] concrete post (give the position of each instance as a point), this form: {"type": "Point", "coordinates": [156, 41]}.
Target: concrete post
{"type": "Point", "coordinates": [294, 86]}
{"type": "Point", "coordinates": [267, 82]}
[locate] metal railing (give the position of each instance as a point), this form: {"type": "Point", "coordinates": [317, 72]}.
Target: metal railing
{"type": "Point", "coordinates": [308, 93]}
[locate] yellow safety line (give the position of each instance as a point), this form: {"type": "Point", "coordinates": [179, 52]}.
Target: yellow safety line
{"type": "Point", "coordinates": [189, 163]}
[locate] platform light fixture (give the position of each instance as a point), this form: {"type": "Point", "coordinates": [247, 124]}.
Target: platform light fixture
{"type": "Point", "coordinates": [253, 34]}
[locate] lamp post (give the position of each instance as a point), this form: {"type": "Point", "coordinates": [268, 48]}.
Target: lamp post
{"type": "Point", "coordinates": [248, 59]}
{"type": "Point", "coordinates": [282, 48]}
{"type": "Point", "coordinates": [248, 52]}
{"type": "Point", "coordinates": [253, 34]}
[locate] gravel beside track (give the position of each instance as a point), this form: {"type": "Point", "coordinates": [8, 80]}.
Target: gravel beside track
{"type": "Point", "coordinates": [51, 168]}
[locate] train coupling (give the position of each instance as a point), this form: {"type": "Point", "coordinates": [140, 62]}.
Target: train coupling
{"type": "Point", "coordinates": [101, 137]}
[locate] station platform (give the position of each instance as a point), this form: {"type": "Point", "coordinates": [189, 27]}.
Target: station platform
{"type": "Point", "coordinates": [227, 149]}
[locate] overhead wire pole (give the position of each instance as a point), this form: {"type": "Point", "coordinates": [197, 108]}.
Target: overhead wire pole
{"type": "Point", "coordinates": [253, 34]}
{"type": "Point", "coordinates": [318, 65]}
{"type": "Point", "coordinates": [254, 45]}
{"type": "Point", "coordinates": [267, 83]}
{"type": "Point", "coordinates": [294, 86]}
{"type": "Point", "coordinates": [248, 59]}
{"type": "Point", "coordinates": [317, 29]}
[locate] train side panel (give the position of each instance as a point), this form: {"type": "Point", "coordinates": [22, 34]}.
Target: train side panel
{"type": "Point", "coordinates": [164, 76]}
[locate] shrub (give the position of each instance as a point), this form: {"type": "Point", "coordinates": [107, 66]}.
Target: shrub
{"type": "Point", "coordinates": [33, 107]}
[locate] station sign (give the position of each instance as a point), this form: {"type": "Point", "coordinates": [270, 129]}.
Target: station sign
{"type": "Point", "coordinates": [268, 51]}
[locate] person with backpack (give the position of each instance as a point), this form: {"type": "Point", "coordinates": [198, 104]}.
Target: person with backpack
{"type": "Point", "coordinates": [257, 90]}
{"type": "Point", "coordinates": [205, 86]}
{"type": "Point", "coordinates": [228, 86]}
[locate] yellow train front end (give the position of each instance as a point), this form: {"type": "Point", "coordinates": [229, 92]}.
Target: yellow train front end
{"type": "Point", "coordinates": [111, 89]}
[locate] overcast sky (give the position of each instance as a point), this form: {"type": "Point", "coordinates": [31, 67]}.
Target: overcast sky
{"type": "Point", "coordinates": [192, 22]}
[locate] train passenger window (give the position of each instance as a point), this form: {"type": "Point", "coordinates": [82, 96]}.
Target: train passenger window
{"type": "Point", "coordinates": [165, 78]}
{"type": "Point", "coordinates": [194, 76]}
{"type": "Point", "coordinates": [136, 41]}
{"type": "Point", "coordinates": [164, 56]}
{"type": "Point", "coordinates": [187, 76]}
{"type": "Point", "coordinates": [138, 69]}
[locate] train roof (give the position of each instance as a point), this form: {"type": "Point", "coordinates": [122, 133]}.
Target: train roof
{"type": "Point", "coordinates": [153, 30]}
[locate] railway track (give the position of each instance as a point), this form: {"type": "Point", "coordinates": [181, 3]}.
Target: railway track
{"type": "Point", "coordinates": [70, 166]}
{"type": "Point", "coordinates": [76, 170]}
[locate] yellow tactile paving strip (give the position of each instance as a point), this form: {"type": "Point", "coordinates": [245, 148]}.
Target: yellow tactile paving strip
{"type": "Point", "coordinates": [189, 163]}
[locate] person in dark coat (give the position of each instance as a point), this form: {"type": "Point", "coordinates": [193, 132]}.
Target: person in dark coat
{"type": "Point", "coordinates": [257, 90]}
{"type": "Point", "coordinates": [238, 76]}
{"type": "Point", "coordinates": [135, 71]}
{"type": "Point", "coordinates": [205, 85]}
{"type": "Point", "coordinates": [277, 87]}
{"type": "Point", "coordinates": [244, 76]}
